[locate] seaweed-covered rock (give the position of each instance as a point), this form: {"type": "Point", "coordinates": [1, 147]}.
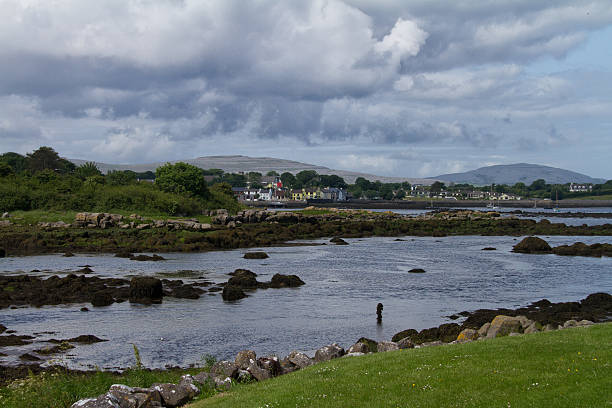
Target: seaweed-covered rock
{"type": "Point", "coordinates": [231, 293]}
{"type": "Point", "coordinates": [285, 281]}
{"type": "Point", "coordinates": [102, 298]}
{"type": "Point", "coordinates": [255, 255]}
{"type": "Point", "coordinates": [146, 290]}
{"type": "Point", "coordinates": [582, 249]}
{"type": "Point", "coordinates": [532, 245]}
{"type": "Point", "coordinates": [417, 270]}
{"type": "Point", "coordinates": [244, 279]}
{"type": "Point", "coordinates": [338, 241]}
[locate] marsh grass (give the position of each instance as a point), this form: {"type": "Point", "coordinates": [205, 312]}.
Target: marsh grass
{"type": "Point", "coordinates": [568, 368]}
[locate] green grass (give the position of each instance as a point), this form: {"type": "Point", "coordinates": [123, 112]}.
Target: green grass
{"type": "Point", "coordinates": [601, 197]}
{"type": "Point", "coordinates": [61, 389]}
{"type": "Point", "coordinates": [568, 368]}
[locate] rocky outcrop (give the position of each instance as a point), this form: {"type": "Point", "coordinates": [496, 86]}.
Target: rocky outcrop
{"type": "Point", "coordinates": [244, 279]}
{"type": "Point", "coordinates": [106, 220]}
{"type": "Point", "coordinates": [581, 249]}
{"type": "Point", "coordinates": [231, 293]}
{"type": "Point", "coordinates": [503, 326]}
{"type": "Point", "coordinates": [532, 245]}
{"type": "Point", "coordinates": [329, 352]}
{"type": "Point", "coordinates": [146, 290]}
{"type": "Point", "coordinates": [285, 281]}
{"type": "Point", "coordinates": [255, 255]}
{"type": "Point", "coordinates": [338, 241]}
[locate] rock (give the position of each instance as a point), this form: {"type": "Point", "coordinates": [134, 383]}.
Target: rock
{"type": "Point", "coordinates": [549, 327]}
{"type": "Point", "coordinates": [100, 299]}
{"type": "Point", "coordinates": [60, 348]}
{"type": "Point", "coordinates": [5, 215]}
{"type": "Point", "coordinates": [245, 358]}
{"type": "Point", "coordinates": [431, 344]}
{"type": "Point", "coordinates": [82, 339]}
{"type": "Point", "coordinates": [285, 281]}
{"type": "Point", "coordinates": [467, 335]}
{"type": "Point", "coordinates": [124, 254]}
{"type": "Point", "coordinates": [2, 253]}
{"type": "Point", "coordinates": [484, 329]}
{"type": "Point", "coordinates": [187, 381]}
{"type": "Point", "coordinates": [358, 348]}
{"type": "Point", "coordinates": [329, 352]}
{"type": "Point", "coordinates": [503, 326]}
{"type": "Point", "coordinates": [532, 328]}
{"type": "Point", "coordinates": [28, 357]}
{"type": "Point", "coordinates": [103, 401]}
{"type": "Point", "coordinates": [525, 322]}
{"type": "Point", "coordinates": [409, 333]}
{"type": "Point", "coordinates": [489, 249]}
{"type": "Point", "coordinates": [68, 255]}
{"type": "Point", "coordinates": [301, 360]}
{"type": "Point", "coordinates": [223, 384]}
{"type": "Point", "coordinates": [338, 241]}
{"type": "Point", "coordinates": [135, 397]}
{"type": "Point", "coordinates": [224, 369]}
{"type": "Point", "coordinates": [416, 270]}
{"type": "Point", "coordinates": [146, 290]}
{"type": "Point", "coordinates": [244, 279]}
{"type": "Point", "coordinates": [405, 343]}
{"type": "Point", "coordinates": [2, 328]}
{"type": "Point", "coordinates": [570, 323]}
{"type": "Point", "coordinates": [255, 255]}
{"type": "Point", "coordinates": [154, 257]}
{"type": "Point", "coordinates": [271, 364]}
{"type": "Point", "coordinates": [231, 293]}
{"type": "Point", "coordinates": [584, 323]}
{"type": "Point", "coordinates": [244, 376]}
{"type": "Point", "coordinates": [13, 340]}
{"type": "Point", "coordinates": [387, 346]}
{"type": "Point", "coordinates": [174, 395]}
{"type": "Point", "coordinates": [532, 245]}
{"type": "Point", "coordinates": [597, 300]}
{"type": "Point", "coordinates": [258, 373]}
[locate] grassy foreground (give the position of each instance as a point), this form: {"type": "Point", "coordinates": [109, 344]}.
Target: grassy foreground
{"type": "Point", "coordinates": [568, 368]}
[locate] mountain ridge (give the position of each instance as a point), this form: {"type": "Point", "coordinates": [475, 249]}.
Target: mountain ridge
{"type": "Point", "coordinates": [518, 172]}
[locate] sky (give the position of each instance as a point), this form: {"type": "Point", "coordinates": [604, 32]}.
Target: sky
{"type": "Point", "coordinates": [409, 88]}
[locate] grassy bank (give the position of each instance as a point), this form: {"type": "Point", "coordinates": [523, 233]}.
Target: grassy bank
{"type": "Point", "coordinates": [61, 389]}
{"type": "Point", "coordinates": [568, 368]}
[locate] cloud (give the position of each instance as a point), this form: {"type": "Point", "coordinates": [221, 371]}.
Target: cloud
{"type": "Point", "coordinates": [176, 75]}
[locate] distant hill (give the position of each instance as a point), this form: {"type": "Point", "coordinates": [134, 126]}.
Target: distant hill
{"type": "Point", "coordinates": [236, 164]}
{"type": "Point", "coordinates": [514, 173]}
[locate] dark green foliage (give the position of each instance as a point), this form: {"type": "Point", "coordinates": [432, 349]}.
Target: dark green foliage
{"type": "Point", "coordinates": [46, 158]}
{"type": "Point", "coordinates": [15, 160]}
{"type": "Point", "coordinates": [181, 178]}
{"type": "Point", "coordinates": [120, 178]}
{"type": "Point", "coordinates": [88, 169]}
{"type": "Point", "coordinates": [5, 169]}
{"type": "Point", "coordinates": [288, 180]}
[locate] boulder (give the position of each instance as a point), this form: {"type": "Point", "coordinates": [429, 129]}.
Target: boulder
{"type": "Point", "coordinates": [484, 329]}
{"type": "Point", "coordinates": [387, 346]}
{"type": "Point", "coordinates": [503, 326]}
{"type": "Point", "coordinates": [103, 401]}
{"type": "Point", "coordinates": [329, 352]}
{"type": "Point", "coordinates": [271, 364]}
{"type": "Point", "coordinates": [231, 293]}
{"type": "Point", "coordinates": [417, 270]}
{"type": "Point", "coordinates": [244, 279]}
{"type": "Point", "coordinates": [532, 245]}
{"type": "Point", "coordinates": [408, 333]}
{"type": "Point", "coordinates": [533, 328]}
{"type": "Point", "coordinates": [146, 290]}
{"type": "Point", "coordinates": [224, 369]}
{"type": "Point", "coordinates": [203, 378]}
{"type": "Point", "coordinates": [301, 360]}
{"type": "Point", "coordinates": [135, 397]}
{"type": "Point", "coordinates": [359, 348]}
{"type": "Point", "coordinates": [100, 299]}
{"type": "Point", "coordinates": [285, 281]}
{"type": "Point", "coordinates": [405, 343]}
{"type": "Point", "coordinates": [255, 255]}
{"type": "Point", "coordinates": [467, 335]}
{"type": "Point", "coordinates": [584, 323]}
{"type": "Point", "coordinates": [570, 323]}
{"type": "Point", "coordinates": [338, 241]}
{"type": "Point", "coordinates": [174, 395]}
{"type": "Point", "coordinates": [258, 372]}
{"type": "Point", "coordinates": [245, 358]}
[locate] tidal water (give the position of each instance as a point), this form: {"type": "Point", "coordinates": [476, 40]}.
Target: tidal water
{"type": "Point", "coordinates": [337, 304]}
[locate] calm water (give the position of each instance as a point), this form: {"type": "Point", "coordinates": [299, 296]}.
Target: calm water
{"type": "Point", "coordinates": [337, 304]}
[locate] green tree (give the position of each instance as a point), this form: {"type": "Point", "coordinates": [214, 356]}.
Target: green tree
{"type": "Point", "coordinates": [5, 169]}
{"type": "Point", "coordinates": [307, 178]}
{"type": "Point", "coordinates": [400, 194]}
{"type": "Point", "coordinates": [362, 183]}
{"type": "Point", "coordinates": [332, 181]}
{"type": "Point", "coordinates": [120, 178]}
{"type": "Point", "coordinates": [272, 173]}
{"type": "Point", "coordinates": [539, 184]}
{"type": "Point", "coordinates": [47, 158]}
{"type": "Point", "coordinates": [254, 178]}
{"type": "Point", "coordinates": [15, 160]}
{"type": "Point", "coordinates": [371, 194]}
{"type": "Point", "coordinates": [88, 169]}
{"type": "Point", "coordinates": [181, 178]}
{"type": "Point", "coordinates": [288, 180]}
{"type": "Point", "coordinates": [436, 187]}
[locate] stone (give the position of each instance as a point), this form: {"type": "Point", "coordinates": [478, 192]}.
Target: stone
{"type": "Point", "coordinates": [223, 384]}
{"type": "Point", "coordinates": [549, 327]}
{"type": "Point", "coordinates": [359, 347]}
{"type": "Point", "coordinates": [224, 369]}
{"type": "Point", "coordinates": [258, 373]}
{"type": "Point", "coordinates": [301, 360]}
{"type": "Point", "coordinates": [100, 299]}
{"type": "Point", "coordinates": [174, 395]}
{"type": "Point", "coordinates": [532, 328]}
{"type": "Point", "coordinates": [103, 401]}
{"type": "Point", "coordinates": [387, 346]}
{"type": "Point", "coordinates": [243, 279]}
{"type": "Point", "coordinates": [338, 241]}
{"type": "Point", "coordinates": [467, 335]}
{"type": "Point", "coordinates": [231, 293]}
{"type": "Point", "coordinates": [245, 358]}
{"type": "Point", "coordinates": [482, 332]}
{"type": "Point", "coordinates": [417, 270]}
{"type": "Point", "coordinates": [245, 377]}
{"type": "Point", "coordinates": [570, 323]}
{"type": "Point", "coordinates": [525, 322]}
{"type": "Point", "coordinates": [431, 343]}
{"type": "Point", "coordinates": [583, 323]}
{"type": "Point", "coordinates": [285, 281]}
{"type": "Point", "coordinates": [203, 378]}
{"type": "Point", "coordinates": [5, 215]}
{"type": "Point", "coordinates": [532, 245]}
{"type": "Point", "coordinates": [503, 326]}
{"type": "Point", "coordinates": [146, 290]}
{"type": "Point", "coordinates": [255, 255]}
{"type": "Point", "coordinates": [135, 397]}
{"type": "Point", "coordinates": [329, 352]}
{"type": "Point", "coordinates": [405, 343]}
{"type": "Point", "coordinates": [188, 381]}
